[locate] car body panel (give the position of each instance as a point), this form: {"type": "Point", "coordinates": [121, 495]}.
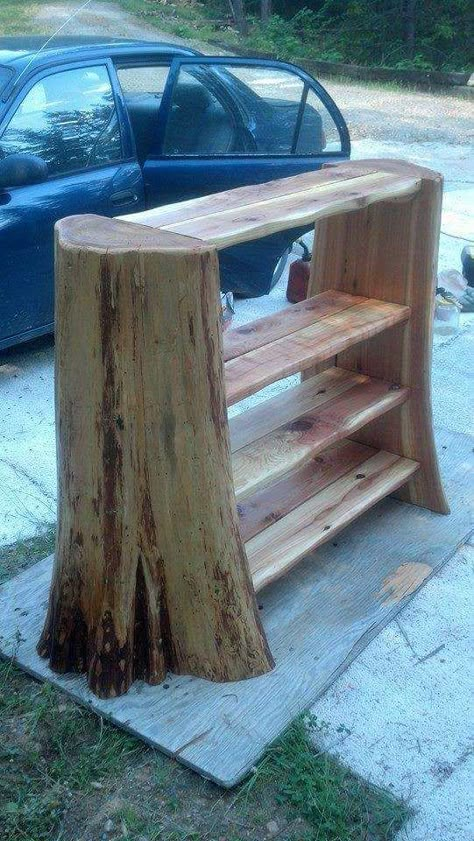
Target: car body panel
{"type": "Point", "coordinates": [28, 213]}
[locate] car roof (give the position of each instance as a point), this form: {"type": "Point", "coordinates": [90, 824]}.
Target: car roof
{"type": "Point", "coordinates": [19, 52]}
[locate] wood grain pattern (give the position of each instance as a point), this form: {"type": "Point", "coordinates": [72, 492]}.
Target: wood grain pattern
{"type": "Point", "coordinates": [294, 442]}
{"type": "Point", "coordinates": [262, 509]}
{"type": "Point", "coordinates": [268, 415]}
{"type": "Point", "coordinates": [389, 251]}
{"type": "Point", "coordinates": [262, 331]}
{"type": "Point", "coordinates": [240, 197]}
{"type": "Point", "coordinates": [317, 619]}
{"type": "Point", "coordinates": [275, 550]}
{"type": "Point", "coordinates": [224, 228]}
{"type": "Point", "coordinates": [150, 572]}
{"type": "Point", "coordinates": [254, 370]}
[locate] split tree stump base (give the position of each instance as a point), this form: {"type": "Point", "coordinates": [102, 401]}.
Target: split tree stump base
{"type": "Point", "coordinates": [317, 619]}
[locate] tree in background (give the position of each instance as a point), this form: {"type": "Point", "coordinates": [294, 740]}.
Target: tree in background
{"type": "Point", "coordinates": [409, 25]}
{"type": "Point", "coordinates": [424, 34]}
{"type": "Point", "coordinates": [265, 10]}
{"type": "Point", "coordinates": [237, 9]}
{"type": "Point", "coordinates": [398, 33]}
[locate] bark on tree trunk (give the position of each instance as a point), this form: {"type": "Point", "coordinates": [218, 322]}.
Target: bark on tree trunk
{"type": "Point", "coordinates": [265, 10]}
{"type": "Point", "coordinates": [409, 16]}
{"type": "Point", "coordinates": [150, 572]}
{"type": "Point", "coordinates": [237, 8]}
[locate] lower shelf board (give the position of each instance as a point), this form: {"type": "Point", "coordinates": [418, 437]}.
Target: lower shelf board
{"type": "Point", "coordinates": [287, 521]}
{"type": "Point", "coordinates": [280, 434]}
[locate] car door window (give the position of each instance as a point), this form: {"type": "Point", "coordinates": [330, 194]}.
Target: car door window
{"type": "Point", "coordinates": [69, 120]}
{"type": "Point", "coordinates": [202, 118]}
{"type": "Point", "coordinates": [318, 131]}
{"type": "Point", "coordinates": [220, 109]}
{"type": "Point", "coordinates": [142, 88]}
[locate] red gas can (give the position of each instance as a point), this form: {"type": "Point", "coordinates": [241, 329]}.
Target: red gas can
{"type": "Point", "coordinates": [298, 277]}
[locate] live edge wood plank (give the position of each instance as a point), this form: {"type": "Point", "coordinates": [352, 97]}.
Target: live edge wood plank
{"type": "Point", "coordinates": [224, 227]}
{"type": "Point", "coordinates": [268, 415]}
{"type": "Point", "coordinates": [240, 340]}
{"type": "Point", "coordinates": [267, 506]}
{"type": "Point", "coordinates": [300, 350]}
{"type": "Point", "coordinates": [301, 434]}
{"type": "Point", "coordinates": [275, 550]}
{"type": "Point", "coordinates": [246, 196]}
{"type": "Point", "coordinates": [248, 213]}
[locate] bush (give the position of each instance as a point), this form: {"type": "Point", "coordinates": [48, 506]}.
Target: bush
{"type": "Point", "coordinates": [367, 32]}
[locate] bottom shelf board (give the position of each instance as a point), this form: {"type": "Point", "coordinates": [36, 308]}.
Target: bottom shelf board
{"type": "Point", "coordinates": [359, 477]}
{"type": "Point", "coordinates": [317, 618]}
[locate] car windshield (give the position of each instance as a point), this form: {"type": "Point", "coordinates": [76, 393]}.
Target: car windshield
{"type": "Point", "coordinates": [5, 76]}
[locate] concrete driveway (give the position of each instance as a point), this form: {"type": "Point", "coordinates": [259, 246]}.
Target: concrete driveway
{"type": "Point", "coordinates": [425, 755]}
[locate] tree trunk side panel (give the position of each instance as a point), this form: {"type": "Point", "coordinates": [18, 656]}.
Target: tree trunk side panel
{"type": "Point", "coordinates": [213, 617]}
{"type": "Point", "coordinates": [389, 251]}
{"type": "Point", "coordinates": [150, 572]}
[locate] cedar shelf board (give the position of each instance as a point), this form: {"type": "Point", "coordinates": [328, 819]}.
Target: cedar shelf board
{"type": "Point", "coordinates": [297, 351]}
{"type": "Point", "coordinates": [222, 730]}
{"type": "Point", "coordinates": [280, 546]}
{"type": "Point", "coordinates": [248, 213]}
{"type": "Point", "coordinates": [293, 427]}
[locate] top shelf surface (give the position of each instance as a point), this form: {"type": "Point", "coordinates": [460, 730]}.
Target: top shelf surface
{"type": "Point", "coordinates": [249, 213]}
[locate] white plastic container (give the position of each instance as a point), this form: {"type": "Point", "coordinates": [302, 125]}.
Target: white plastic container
{"type": "Point", "coordinates": [447, 312]}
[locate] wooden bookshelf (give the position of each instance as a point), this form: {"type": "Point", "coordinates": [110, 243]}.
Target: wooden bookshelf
{"type": "Point", "coordinates": [172, 516]}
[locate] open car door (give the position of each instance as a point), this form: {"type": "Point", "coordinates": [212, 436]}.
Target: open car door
{"type": "Point", "coordinates": [227, 122]}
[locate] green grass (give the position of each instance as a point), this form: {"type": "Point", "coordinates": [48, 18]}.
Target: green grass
{"type": "Point", "coordinates": [63, 767]}
{"type": "Point", "coordinates": [15, 17]}
{"type": "Point", "coordinates": [65, 772]}
{"type": "Point", "coordinates": [24, 553]}
{"type": "Point", "coordinates": [61, 749]}
{"type": "Point", "coordinates": [185, 21]}
{"type": "Point", "coordinates": [335, 803]}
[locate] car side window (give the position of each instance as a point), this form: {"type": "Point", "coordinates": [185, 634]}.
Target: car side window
{"type": "Point", "coordinates": [202, 120]}
{"type": "Point", "coordinates": [69, 120]}
{"type": "Point", "coordinates": [142, 88]}
{"type": "Point", "coordinates": [220, 109]}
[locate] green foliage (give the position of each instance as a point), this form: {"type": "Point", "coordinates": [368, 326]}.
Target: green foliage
{"type": "Point", "coordinates": [15, 17]}
{"type": "Point", "coordinates": [367, 32]}
{"type": "Point", "coordinates": [333, 802]}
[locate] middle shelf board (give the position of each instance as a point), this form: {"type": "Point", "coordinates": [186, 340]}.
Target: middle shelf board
{"type": "Point", "coordinates": [335, 324]}
{"type": "Point", "coordinates": [280, 434]}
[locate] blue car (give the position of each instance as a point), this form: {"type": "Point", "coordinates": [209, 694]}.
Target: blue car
{"type": "Point", "coordinates": [115, 127]}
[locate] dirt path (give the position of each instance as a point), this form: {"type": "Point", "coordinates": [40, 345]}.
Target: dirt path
{"type": "Point", "coordinates": [104, 18]}
{"type": "Point", "coordinates": [375, 113]}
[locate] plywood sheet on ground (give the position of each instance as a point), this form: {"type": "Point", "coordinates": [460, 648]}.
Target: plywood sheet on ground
{"type": "Point", "coordinates": [318, 618]}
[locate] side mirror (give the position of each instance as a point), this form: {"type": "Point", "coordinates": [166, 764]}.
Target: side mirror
{"type": "Point", "coordinates": [20, 170]}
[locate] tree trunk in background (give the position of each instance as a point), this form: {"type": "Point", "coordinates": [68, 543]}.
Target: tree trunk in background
{"type": "Point", "coordinates": [150, 573]}
{"type": "Point", "coordinates": [238, 11]}
{"type": "Point", "coordinates": [409, 19]}
{"type": "Point", "coordinates": [266, 10]}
